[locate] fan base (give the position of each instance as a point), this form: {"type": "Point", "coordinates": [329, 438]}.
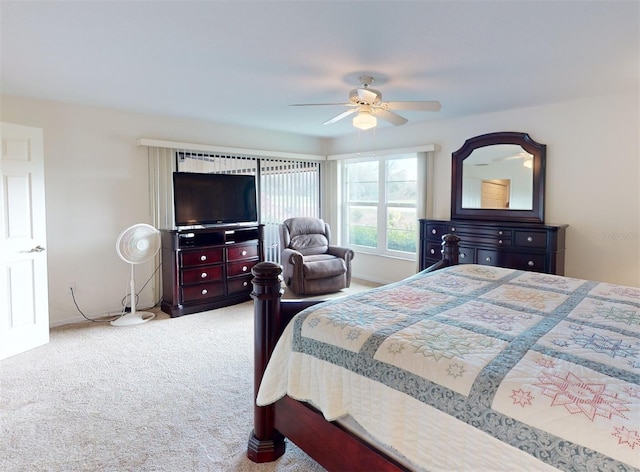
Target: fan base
{"type": "Point", "coordinates": [130, 319]}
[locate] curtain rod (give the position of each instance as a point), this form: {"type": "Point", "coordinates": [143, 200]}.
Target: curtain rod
{"type": "Point", "coordinates": [228, 150]}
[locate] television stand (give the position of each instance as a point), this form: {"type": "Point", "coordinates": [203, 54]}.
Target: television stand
{"type": "Point", "coordinates": [208, 268]}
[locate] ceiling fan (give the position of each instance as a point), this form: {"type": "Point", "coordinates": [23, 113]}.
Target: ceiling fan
{"type": "Point", "coordinates": [367, 104]}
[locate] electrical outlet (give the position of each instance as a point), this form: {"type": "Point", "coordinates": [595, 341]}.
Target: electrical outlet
{"type": "Point", "coordinates": [71, 288]}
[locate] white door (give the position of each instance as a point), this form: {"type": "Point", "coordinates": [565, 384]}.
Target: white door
{"type": "Point", "coordinates": [24, 308]}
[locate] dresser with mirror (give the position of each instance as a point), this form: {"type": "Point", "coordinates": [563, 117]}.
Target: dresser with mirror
{"type": "Point", "coordinates": [497, 207]}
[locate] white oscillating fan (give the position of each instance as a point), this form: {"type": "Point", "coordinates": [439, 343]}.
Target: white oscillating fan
{"type": "Point", "coordinates": [135, 245]}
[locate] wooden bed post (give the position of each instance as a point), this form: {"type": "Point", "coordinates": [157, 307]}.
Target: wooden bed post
{"type": "Point", "coordinates": [450, 253]}
{"type": "Point", "coordinates": [266, 444]}
{"type": "Point", "coordinates": [450, 249]}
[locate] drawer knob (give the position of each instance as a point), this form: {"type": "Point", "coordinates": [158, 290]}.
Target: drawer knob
{"type": "Point", "coordinates": [488, 258]}
{"type": "Point", "coordinates": [244, 268]}
{"type": "Point", "coordinates": [203, 258]}
{"type": "Point", "coordinates": [530, 263]}
{"type": "Point", "coordinates": [462, 255]}
{"type": "Point", "coordinates": [204, 291]}
{"type": "Point", "coordinates": [433, 231]}
{"type": "Point", "coordinates": [203, 275]}
{"type": "Point", "coordinates": [433, 251]}
{"type": "Point", "coordinates": [453, 229]}
{"type": "Point", "coordinates": [499, 241]}
{"type": "Point", "coordinates": [530, 239]}
{"type": "Point", "coordinates": [245, 283]}
{"type": "Point", "coordinates": [244, 253]}
{"type": "Point", "coordinates": [500, 232]}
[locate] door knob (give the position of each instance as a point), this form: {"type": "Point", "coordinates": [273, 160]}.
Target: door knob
{"type": "Point", "coordinates": [38, 248]}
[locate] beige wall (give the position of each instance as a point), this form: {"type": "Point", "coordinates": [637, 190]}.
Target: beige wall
{"type": "Point", "coordinates": [96, 184]}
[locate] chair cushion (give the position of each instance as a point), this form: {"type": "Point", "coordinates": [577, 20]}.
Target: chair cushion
{"type": "Point", "coordinates": [310, 243]}
{"type": "Point", "coordinates": [322, 265]}
{"type": "Point", "coordinates": [308, 235]}
{"type": "Point", "coordinates": [305, 225]}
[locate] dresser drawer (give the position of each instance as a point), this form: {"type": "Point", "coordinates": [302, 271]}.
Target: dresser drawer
{"type": "Point", "coordinates": [202, 274]}
{"type": "Point", "coordinates": [490, 257]}
{"type": "Point", "coordinates": [467, 255]}
{"type": "Point", "coordinates": [240, 268]}
{"type": "Point", "coordinates": [239, 285]}
{"type": "Point", "coordinates": [435, 232]}
{"type": "Point", "coordinates": [480, 231]}
{"type": "Point", "coordinates": [512, 260]}
{"type": "Point", "coordinates": [192, 293]}
{"type": "Point", "coordinates": [534, 262]}
{"type": "Point", "coordinates": [238, 253]}
{"type": "Point", "coordinates": [201, 257]}
{"type": "Point", "coordinates": [434, 250]}
{"type": "Point", "coordinates": [531, 239]}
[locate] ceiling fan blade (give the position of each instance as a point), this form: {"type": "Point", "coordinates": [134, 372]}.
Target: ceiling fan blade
{"type": "Point", "coordinates": [342, 115]}
{"type": "Point", "coordinates": [389, 116]}
{"type": "Point", "coordinates": [413, 106]}
{"type": "Point", "coordinates": [320, 104]}
{"type": "Point", "coordinates": [520, 155]}
{"type": "Point", "coordinates": [367, 96]}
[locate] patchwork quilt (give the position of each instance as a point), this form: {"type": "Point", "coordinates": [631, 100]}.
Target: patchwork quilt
{"type": "Point", "coordinates": [529, 369]}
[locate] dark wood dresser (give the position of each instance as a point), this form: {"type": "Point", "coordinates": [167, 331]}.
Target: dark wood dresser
{"type": "Point", "coordinates": [527, 246]}
{"type": "Point", "coordinates": [208, 268]}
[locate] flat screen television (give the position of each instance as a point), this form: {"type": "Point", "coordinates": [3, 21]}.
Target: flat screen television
{"type": "Point", "coordinates": [213, 199]}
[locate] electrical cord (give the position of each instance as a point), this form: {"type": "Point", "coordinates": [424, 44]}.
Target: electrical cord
{"type": "Point", "coordinates": [95, 320]}
{"type": "Point", "coordinates": [109, 318]}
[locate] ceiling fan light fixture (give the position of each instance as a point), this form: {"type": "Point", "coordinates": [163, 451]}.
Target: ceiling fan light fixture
{"type": "Point", "coordinates": [364, 120]}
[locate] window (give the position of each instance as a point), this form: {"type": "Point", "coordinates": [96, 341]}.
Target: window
{"type": "Point", "coordinates": [380, 204]}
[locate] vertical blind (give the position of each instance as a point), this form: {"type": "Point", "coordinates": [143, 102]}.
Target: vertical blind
{"type": "Point", "coordinates": [287, 188]}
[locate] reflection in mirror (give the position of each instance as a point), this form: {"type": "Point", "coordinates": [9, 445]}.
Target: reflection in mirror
{"type": "Point", "coordinates": [498, 177]}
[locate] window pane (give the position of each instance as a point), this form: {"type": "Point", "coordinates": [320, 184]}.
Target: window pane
{"type": "Point", "coordinates": [362, 226]}
{"type": "Point", "coordinates": [363, 192]}
{"type": "Point", "coordinates": [362, 182]}
{"type": "Point", "coordinates": [401, 229]}
{"type": "Point", "coordinates": [401, 181]}
{"type": "Point", "coordinates": [363, 171]}
{"type": "Point", "coordinates": [401, 192]}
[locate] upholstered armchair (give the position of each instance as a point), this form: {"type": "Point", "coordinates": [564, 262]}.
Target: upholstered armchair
{"type": "Point", "coordinates": [310, 264]}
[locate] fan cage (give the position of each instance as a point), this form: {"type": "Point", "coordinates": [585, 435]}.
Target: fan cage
{"type": "Point", "coordinates": [138, 243]}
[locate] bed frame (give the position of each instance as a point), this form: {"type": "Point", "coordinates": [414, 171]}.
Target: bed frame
{"type": "Point", "coordinates": [330, 444]}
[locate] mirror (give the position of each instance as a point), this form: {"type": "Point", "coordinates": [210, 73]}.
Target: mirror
{"type": "Point", "coordinates": [500, 177]}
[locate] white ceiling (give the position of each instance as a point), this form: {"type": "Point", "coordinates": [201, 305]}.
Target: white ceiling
{"type": "Point", "coordinates": [244, 62]}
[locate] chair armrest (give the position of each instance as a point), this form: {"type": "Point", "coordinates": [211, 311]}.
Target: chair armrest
{"type": "Point", "coordinates": [342, 252]}
{"type": "Point", "coordinates": [292, 256]}
{"type": "Point", "coordinates": [292, 271]}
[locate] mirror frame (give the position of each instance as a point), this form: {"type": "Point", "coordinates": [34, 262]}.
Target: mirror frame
{"type": "Point", "coordinates": [539, 152]}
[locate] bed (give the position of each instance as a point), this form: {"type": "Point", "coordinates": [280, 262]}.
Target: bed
{"type": "Point", "coordinates": [460, 367]}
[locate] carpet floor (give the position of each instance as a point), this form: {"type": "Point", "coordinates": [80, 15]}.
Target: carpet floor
{"type": "Point", "coordinates": [173, 394]}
